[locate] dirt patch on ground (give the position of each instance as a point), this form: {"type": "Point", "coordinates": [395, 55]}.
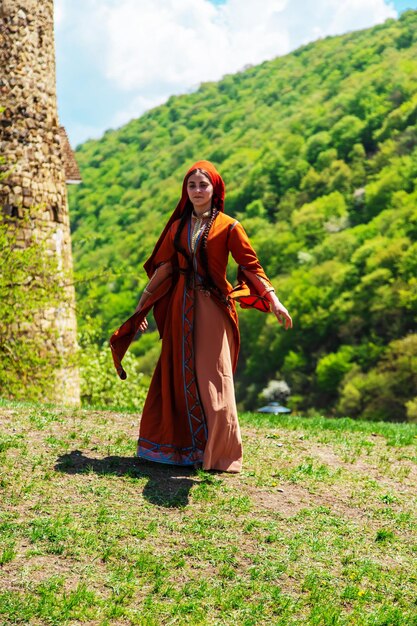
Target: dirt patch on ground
{"type": "Point", "coordinates": [380, 465]}
{"type": "Point", "coordinates": [343, 495]}
{"type": "Point", "coordinates": [291, 499]}
{"type": "Point", "coordinates": [35, 568]}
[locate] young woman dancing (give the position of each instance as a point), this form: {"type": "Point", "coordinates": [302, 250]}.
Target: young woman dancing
{"type": "Point", "coordinates": [190, 416]}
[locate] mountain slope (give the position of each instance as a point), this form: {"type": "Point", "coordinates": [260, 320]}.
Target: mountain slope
{"type": "Point", "coordinates": [319, 153]}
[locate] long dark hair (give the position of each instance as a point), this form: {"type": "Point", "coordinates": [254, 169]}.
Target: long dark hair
{"type": "Point", "coordinates": [209, 282]}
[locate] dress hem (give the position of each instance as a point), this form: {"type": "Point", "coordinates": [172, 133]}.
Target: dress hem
{"type": "Point", "coordinates": [224, 467]}
{"type": "Point", "coordinates": [178, 456]}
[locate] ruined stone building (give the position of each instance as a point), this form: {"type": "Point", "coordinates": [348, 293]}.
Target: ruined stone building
{"type": "Point", "coordinates": [37, 156]}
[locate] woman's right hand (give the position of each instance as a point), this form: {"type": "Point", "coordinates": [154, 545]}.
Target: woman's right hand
{"type": "Point", "coordinates": [143, 325]}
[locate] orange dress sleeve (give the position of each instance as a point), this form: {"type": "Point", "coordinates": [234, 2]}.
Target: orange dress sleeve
{"type": "Point", "coordinates": [158, 300]}
{"type": "Point", "coordinates": [166, 250]}
{"type": "Point", "coordinates": [252, 280]}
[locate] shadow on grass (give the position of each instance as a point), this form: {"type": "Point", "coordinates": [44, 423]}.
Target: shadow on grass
{"type": "Point", "coordinates": [168, 485]}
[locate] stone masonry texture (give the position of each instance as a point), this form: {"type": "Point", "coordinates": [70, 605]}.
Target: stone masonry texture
{"type": "Point", "coordinates": [33, 167]}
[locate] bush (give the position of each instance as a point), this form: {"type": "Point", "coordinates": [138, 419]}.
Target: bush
{"type": "Point", "coordinates": [100, 384]}
{"type": "Point", "coordinates": [277, 390]}
{"type": "Point", "coordinates": [331, 369]}
{"type": "Point", "coordinates": [30, 291]}
{"type": "Point", "coordinates": [387, 391]}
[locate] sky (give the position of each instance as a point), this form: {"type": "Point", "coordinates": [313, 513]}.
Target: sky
{"type": "Point", "coordinates": [118, 58]}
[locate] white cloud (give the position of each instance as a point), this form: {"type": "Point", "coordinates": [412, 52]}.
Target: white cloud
{"type": "Point", "coordinates": [137, 103]}
{"type": "Point", "coordinates": [59, 13]}
{"type": "Point", "coordinates": [178, 43]}
{"type": "Point", "coordinates": [358, 14]}
{"type": "Point", "coordinates": [150, 49]}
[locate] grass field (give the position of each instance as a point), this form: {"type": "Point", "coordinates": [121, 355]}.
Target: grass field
{"type": "Point", "coordinates": [319, 529]}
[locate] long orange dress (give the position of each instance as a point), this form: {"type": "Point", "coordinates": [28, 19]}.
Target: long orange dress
{"type": "Point", "coordinates": [189, 416]}
{"type": "Point", "coordinates": [190, 413]}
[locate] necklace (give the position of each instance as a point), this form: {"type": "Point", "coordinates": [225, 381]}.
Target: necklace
{"type": "Point", "coordinates": [198, 225]}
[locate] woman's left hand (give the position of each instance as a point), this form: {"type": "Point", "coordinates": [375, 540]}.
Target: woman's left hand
{"type": "Point", "coordinates": [281, 313]}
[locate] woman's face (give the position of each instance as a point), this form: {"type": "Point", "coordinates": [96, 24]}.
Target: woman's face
{"type": "Point", "coordinates": [200, 192]}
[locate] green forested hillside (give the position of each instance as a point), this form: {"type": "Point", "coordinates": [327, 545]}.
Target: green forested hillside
{"type": "Point", "coordinates": [319, 153]}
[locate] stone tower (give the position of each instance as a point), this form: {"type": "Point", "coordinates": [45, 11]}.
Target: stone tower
{"type": "Point", "coordinates": [31, 143]}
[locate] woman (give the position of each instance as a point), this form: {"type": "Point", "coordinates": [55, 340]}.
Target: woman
{"type": "Point", "coordinates": [190, 416]}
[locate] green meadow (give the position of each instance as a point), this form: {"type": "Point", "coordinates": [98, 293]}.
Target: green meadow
{"type": "Point", "coordinates": [319, 529]}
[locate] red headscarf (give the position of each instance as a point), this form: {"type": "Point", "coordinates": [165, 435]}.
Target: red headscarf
{"type": "Point", "coordinates": [218, 201]}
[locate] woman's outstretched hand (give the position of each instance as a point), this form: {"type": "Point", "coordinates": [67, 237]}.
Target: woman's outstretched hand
{"type": "Point", "coordinates": [280, 312]}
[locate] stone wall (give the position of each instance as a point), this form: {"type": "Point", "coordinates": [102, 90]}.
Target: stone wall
{"type": "Point", "coordinates": [30, 145]}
